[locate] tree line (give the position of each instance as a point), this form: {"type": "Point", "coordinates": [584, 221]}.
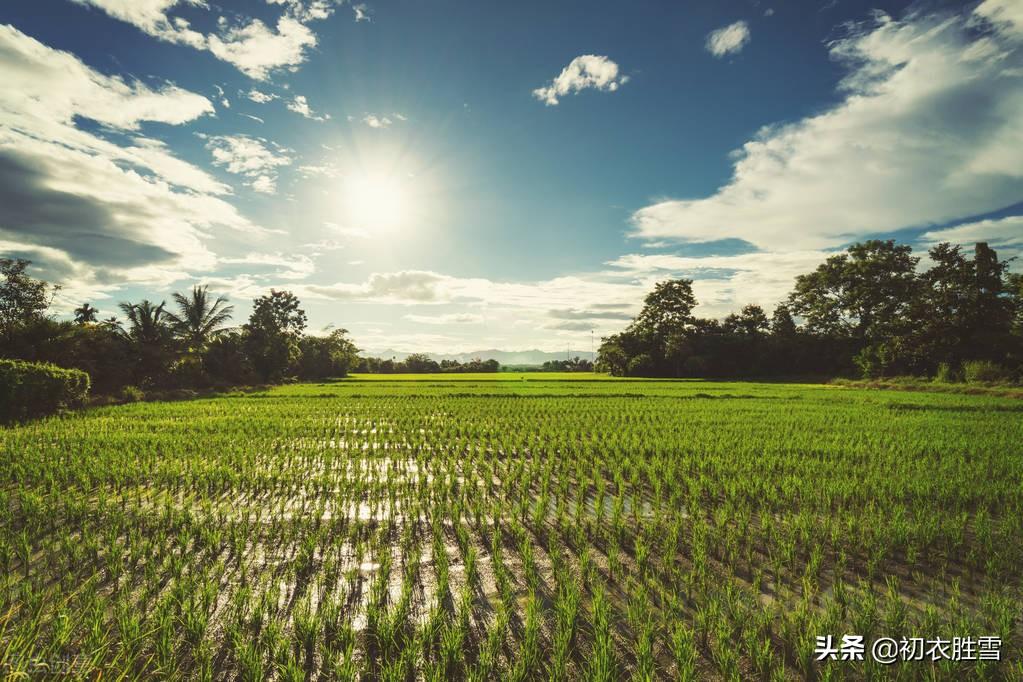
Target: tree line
{"type": "Point", "coordinates": [420, 363]}
{"type": "Point", "coordinates": [188, 344]}
{"type": "Point", "coordinates": [869, 311]}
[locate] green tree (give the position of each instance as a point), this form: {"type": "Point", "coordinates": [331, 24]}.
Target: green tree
{"type": "Point", "coordinates": [200, 317]}
{"type": "Point", "coordinates": [334, 355]}
{"type": "Point", "coordinates": [85, 314]}
{"type": "Point", "coordinates": [23, 298]}
{"type": "Point", "coordinates": [420, 363]}
{"type": "Point", "coordinates": [149, 334]}
{"type": "Point", "coordinates": [273, 332]}
{"type": "Point", "coordinates": [782, 324]}
{"type": "Point", "coordinates": [750, 321]}
{"type": "Point", "coordinates": [669, 307]}
{"type": "Point", "coordinates": [611, 357]}
{"type": "Point", "coordinates": [864, 293]}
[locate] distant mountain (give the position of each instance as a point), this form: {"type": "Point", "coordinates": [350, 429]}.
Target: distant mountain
{"type": "Point", "coordinates": [505, 357]}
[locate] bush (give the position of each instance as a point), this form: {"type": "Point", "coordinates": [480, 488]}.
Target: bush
{"type": "Point", "coordinates": [132, 394]}
{"type": "Point", "coordinates": [946, 374]}
{"type": "Point", "coordinates": [29, 389]}
{"type": "Point", "coordinates": [984, 370]}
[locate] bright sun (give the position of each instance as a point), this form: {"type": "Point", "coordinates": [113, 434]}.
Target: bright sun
{"type": "Point", "coordinates": [375, 201]}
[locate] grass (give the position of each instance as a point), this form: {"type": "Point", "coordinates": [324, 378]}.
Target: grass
{"type": "Point", "coordinates": [522, 526]}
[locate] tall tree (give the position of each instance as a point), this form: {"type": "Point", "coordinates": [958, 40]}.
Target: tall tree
{"type": "Point", "coordinates": [669, 307]}
{"type": "Point", "coordinates": [864, 293]}
{"type": "Point", "coordinates": [199, 318]}
{"type": "Point", "coordinates": [273, 332]}
{"type": "Point", "coordinates": [149, 332]}
{"type": "Point", "coordinates": [85, 314]}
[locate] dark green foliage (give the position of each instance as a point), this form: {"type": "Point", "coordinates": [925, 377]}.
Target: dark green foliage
{"type": "Point", "coordinates": [977, 371]}
{"type": "Point", "coordinates": [226, 361]}
{"type": "Point", "coordinates": [576, 364]}
{"type": "Point", "coordinates": [273, 333]}
{"type": "Point", "coordinates": [866, 311]}
{"type": "Point", "coordinates": [23, 299]}
{"type": "Point", "coordinates": [152, 340]}
{"type": "Point", "coordinates": [86, 314]}
{"type": "Point", "coordinates": [29, 389]}
{"type": "Point", "coordinates": [322, 357]}
{"type": "Point", "coordinates": [419, 363]}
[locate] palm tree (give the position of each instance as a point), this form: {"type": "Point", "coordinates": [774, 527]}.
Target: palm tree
{"type": "Point", "coordinates": [85, 314]}
{"type": "Point", "coordinates": [199, 320]}
{"type": "Point", "coordinates": [148, 331]}
{"type": "Point", "coordinates": [147, 322]}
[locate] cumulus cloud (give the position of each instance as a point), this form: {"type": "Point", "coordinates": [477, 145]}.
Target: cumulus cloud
{"type": "Point", "coordinates": [252, 46]}
{"type": "Point", "coordinates": [728, 39]}
{"type": "Point", "coordinates": [583, 72]}
{"type": "Point", "coordinates": [254, 157]}
{"type": "Point", "coordinates": [300, 105]}
{"type": "Point", "coordinates": [928, 132]}
{"type": "Point", "coordinates": [120, 212]}
{"type": "Point", "coordinates": [255, 50]}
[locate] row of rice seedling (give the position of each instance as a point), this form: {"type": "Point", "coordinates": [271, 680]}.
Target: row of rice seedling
{"type": "Point", "coordinates": [526, 529]}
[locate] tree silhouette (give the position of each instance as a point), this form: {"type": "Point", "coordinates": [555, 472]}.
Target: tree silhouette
{"type": "Point", "coordinates": [85, 314]}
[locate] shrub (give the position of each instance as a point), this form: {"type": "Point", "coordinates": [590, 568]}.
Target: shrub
{"type": "Point", "coordinates": [30, 389]}
{"type": "Point", "coordinates": [984, 370]}
{"type": "Point", "coordinates": [946, 374]}
{"type": "Point", "coordinates": [132, 394]}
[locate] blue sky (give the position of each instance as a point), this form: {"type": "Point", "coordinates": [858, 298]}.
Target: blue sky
{"type": "Point", "coordinates": [450, 175]}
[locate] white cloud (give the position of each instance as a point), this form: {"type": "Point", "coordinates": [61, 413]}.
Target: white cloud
{"type": "Point", "coordinates": [997, 232]}
{"type": "Point", "coordinates": [253, 157]}
{"type": "Point", "coordinates": [325, 170]}
{"type": "Point", "coordinates": [250, 45]}
{"type": "Point", "coordinates": [728, 39]}
{"type": "Point", "coordinates": [260, 97]}
{"type": "Point", "coordinates": [289, 267]}
{"type": "Point", "coordinates": [345, 231]}
{"type": "Point", "coordinates": [928, 132]}
{"type": "Point", "coordinates": [300, 105]}
{"type": "Point", "coordinates": [446, 319]}
{"type": "Point", "coordinates": [264, 184]}
{"type": "Point", "coordinates": [583, 72]}
{"type": "Point", "coordinates": [150, 16]}
{"type": "Point", "coordinates": [361, 11]}
{"type": "Point", "coordinates": [308, 10]}
{"type": "Point", "coordinates": [374, 121]}
{"type": "Point", "coordinates": [118, 212]}
{"type": "Point", "coordinates": [1007, 13]}
{"type": "Point", "coordinates": [256, 50]}
{"type": "Point", "coordinates": [724, 283]}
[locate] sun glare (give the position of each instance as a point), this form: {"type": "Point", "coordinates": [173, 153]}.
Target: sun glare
{"type": "Point", "coordinates": [375, 201]}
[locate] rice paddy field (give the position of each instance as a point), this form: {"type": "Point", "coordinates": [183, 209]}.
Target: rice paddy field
{"type": "Point", "coordinates": [512, 526]}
